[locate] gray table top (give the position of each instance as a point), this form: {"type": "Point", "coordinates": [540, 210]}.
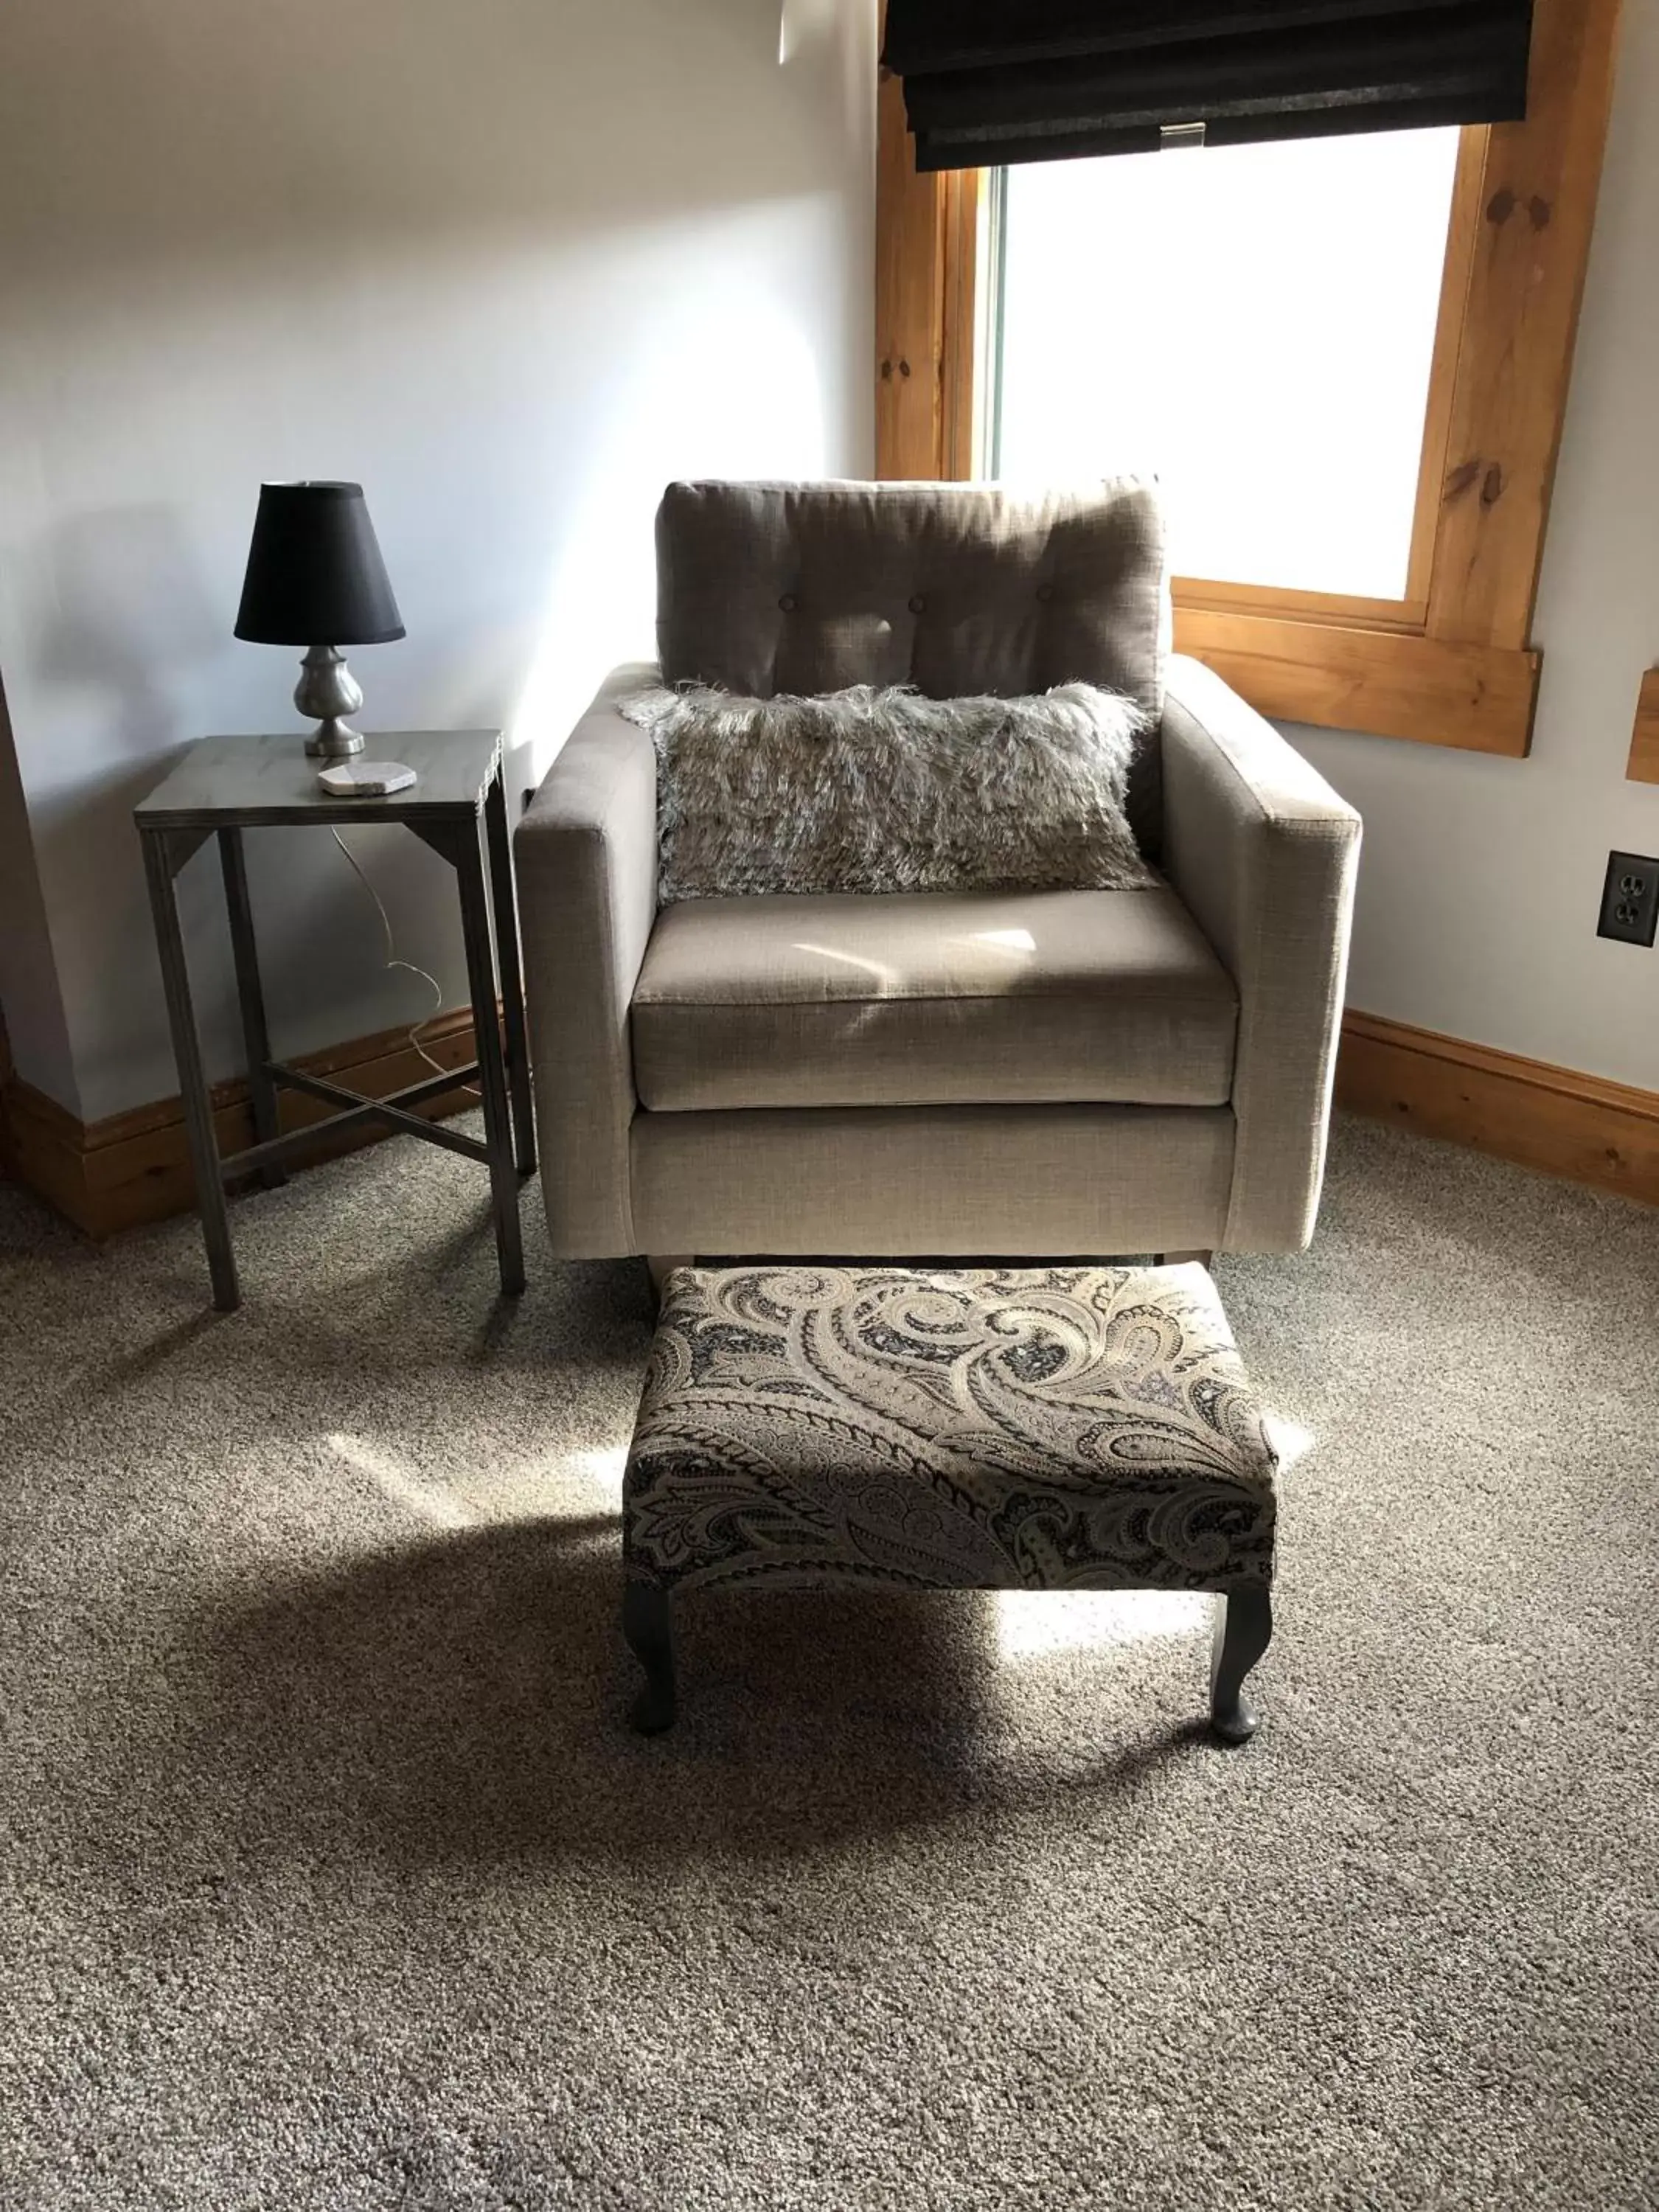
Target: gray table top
{"type": "Point", "coordinates": [224, 782]}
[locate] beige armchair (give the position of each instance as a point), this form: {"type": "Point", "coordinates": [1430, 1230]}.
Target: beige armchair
{"type": "Point", "coordinates": [1051, 1073]}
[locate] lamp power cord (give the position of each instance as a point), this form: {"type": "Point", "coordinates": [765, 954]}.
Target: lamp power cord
{"type": "Point", "coordinates": [408, 967]}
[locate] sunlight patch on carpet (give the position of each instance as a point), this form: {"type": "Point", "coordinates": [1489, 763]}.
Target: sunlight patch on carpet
{"type": "Point", "coordinates": [1288, 1438]}
{"type": "Point", "coordinates": [427, 1500]}
{"type": "Point", "coordinates": [602, 1466]}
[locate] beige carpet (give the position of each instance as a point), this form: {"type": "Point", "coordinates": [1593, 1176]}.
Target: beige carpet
{"type": "Point", "coordinates": [330, 1880]}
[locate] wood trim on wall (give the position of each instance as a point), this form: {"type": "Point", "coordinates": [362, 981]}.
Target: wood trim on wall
{"type": "Point", "coordinates": [1431, 691]}
{"type": "Point", "coordinates": [1644, 739]}
{"type": "Point", "coordinates": [134, 1167]}
{"type": "Point", "coordinates": [1277, 603]}
{"type": "Point", "coordinates": [1553, 1119]}
{"type": "Point", "coordinates": [959, 334]}
{"type": "Point", "coordinates": [1454, 665]}
{"type": "Point", "coordinates": [1538, 192]}
{"type": "Point", "coordinates": [910, 300]}
{"type": "Point", "coordinates": [1457, 275]}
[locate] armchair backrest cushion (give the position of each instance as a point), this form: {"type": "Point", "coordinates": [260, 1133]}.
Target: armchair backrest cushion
{"type": "Point", "coordinates": [956, 589]}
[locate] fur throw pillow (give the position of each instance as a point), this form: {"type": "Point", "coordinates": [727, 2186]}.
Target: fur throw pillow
{"type": "Point", "coordinates": [869, 790]}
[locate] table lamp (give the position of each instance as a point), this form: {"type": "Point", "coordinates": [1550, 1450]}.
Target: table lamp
{"type": "Point", "coordinates": [315, 572]}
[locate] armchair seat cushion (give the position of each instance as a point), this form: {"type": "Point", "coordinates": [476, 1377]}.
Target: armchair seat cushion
{"type": "Point", "coordinates": [1095, 998]}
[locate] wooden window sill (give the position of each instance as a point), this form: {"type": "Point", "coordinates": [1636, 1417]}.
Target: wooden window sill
{"type": "Point", "coordinates": [1388, 684]}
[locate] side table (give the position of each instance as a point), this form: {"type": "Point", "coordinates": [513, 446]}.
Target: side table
{"type": "Point", "coordinates": [458, 806]}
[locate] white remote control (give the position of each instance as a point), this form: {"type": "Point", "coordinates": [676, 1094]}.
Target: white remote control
{"type": "Point", "coordinates": [365, 779]}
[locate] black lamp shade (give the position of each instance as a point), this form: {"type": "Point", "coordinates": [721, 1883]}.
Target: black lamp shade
{"type": "Point", "coordinates": [314, 571]}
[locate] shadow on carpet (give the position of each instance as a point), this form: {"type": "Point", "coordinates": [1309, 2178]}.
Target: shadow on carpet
{"type": "Point", "coordinates": [464, 1701]}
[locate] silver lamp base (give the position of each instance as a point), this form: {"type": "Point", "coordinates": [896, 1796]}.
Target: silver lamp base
{"type": "Point", "coordinates": [328, 688]}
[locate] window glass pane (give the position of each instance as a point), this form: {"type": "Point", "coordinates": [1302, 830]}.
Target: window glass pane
{"type": "Point", "coordinates": [1255, 323]}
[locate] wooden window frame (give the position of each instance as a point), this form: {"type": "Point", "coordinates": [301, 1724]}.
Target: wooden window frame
{"type": "Point", "coordinates": [1644, 737]}
{"type": "Point", "coordinates": [1452, 663]}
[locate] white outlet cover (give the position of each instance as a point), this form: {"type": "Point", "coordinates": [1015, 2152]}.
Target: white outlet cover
{"type": "Point", "coordinates": [365, 779]}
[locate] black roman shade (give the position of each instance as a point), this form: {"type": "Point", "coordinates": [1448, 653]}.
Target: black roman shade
{"type": "Point", "coordinates": [988, 83]}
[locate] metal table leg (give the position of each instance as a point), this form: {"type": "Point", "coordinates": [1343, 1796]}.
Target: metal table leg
{"type": "Point", "coordinates": [507, 959]}
{"type": "Point", "coordinates": [262, 1090]}
{"type": "Point", "coordinates": [165, 852]}
{"type": "Point", "coordinates": [466, 851]}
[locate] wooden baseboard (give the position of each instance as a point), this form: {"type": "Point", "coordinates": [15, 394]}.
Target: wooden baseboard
{"type": "Point", "coordinates": [1579, 1126]}
{"type": "Point", "coordinates": [134, 1167]}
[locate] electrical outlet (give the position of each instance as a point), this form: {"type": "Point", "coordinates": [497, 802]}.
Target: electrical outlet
{"type": "Point", "coordinates": [1630, 899]}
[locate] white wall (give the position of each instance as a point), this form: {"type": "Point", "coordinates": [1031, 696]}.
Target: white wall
{"type": "Point", "coordinates": [512, 262]}
{"type": "Point", "coordinates": [1480, 879]}
{"type": "Point", "coordinates": [515, 263]}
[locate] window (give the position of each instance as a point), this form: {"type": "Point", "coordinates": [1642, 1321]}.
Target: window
{"type": "Point", "coordinates": [1255, 324]}
{"type": "Point", "coordinates": [1355, 402]}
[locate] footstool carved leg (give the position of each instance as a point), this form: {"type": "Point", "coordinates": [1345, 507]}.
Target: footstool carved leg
{"type": "Point", "coordinates": [1244, 1622]}
{"type": "Point", "coordinates": [649, 1630]}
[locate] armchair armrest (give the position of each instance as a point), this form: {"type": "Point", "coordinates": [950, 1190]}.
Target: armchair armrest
{"type": "Point", "coordinates": [1263, 853]}
{"type": "Point", "coordinates": [586, 857]}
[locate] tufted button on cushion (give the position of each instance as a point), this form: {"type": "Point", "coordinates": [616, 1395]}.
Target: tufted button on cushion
{"type": "Point", "coordinates": [917, 603]}
{"type": "Point", "coordinates": [1046, 592]}
{"type": "Point", "coordinates": [732, 558]}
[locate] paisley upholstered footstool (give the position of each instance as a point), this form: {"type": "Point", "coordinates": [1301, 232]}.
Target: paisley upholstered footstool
{"type": "Point", "coordinates": [1032, 1428]}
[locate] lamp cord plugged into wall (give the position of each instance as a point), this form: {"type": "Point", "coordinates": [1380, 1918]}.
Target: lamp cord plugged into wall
{"type": "Point", "coordinates": [408, 966]}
